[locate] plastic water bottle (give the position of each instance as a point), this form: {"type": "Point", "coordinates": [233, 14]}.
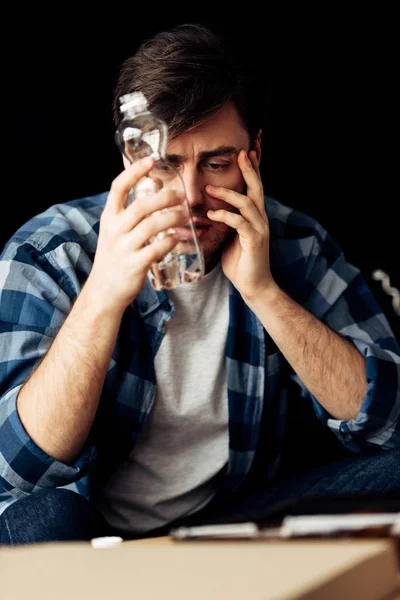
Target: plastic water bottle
{"type": "Point", "coordinates": [140, 133]}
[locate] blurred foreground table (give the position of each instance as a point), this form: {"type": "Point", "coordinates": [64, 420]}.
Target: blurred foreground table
{"type": "Point", "coordinates": [212, 570]}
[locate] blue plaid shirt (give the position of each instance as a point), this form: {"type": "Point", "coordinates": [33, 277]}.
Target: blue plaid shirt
{"type": "Point", "coordinates": [42, 270]}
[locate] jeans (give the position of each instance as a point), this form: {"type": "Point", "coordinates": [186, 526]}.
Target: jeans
{"type": "Point", "coordinates": [63, 515]}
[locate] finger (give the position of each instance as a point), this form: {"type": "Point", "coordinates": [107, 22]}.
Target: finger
{"type": "Point", "coordinates": [245, 205]}
{"type": "Point", "coordinates": [234, 220]}
{"type": "Point", "coordinates": [157, 223]}
{"type": "Point", "coordinates": [254, 161]}
{"type": "Point", "coordinates": [118, 195]}
{"type": "Point", "coordinates": [148, 205]}
{"type": "Point", "coordinates": [158, 249]}
{"type": "Point", "coordinates": [256, 166]}
{"type": "Point", "coordinates": [255, 189]}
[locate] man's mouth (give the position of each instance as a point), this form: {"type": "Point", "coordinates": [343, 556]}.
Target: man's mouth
{"type": "Point", "coordinates": [201, 228]}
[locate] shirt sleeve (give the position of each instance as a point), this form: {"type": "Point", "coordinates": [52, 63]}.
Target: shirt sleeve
{"type": "Point", "coordinates": [338, 295]}
{"type": "Point", "coordinates": [36, 296]}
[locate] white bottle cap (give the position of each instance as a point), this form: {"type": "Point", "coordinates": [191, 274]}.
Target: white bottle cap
{"type": "Point", "coordinates": [135, 100]}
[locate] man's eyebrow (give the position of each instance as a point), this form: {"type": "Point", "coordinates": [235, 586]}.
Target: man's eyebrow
{"type": "Point", "coordinates": [220, 151]}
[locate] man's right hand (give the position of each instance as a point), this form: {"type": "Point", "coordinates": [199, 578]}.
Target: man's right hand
{"type": "Point", "coordinates": [123, 256]}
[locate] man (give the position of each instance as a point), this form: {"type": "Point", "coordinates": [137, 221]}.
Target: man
{"type": "Point", "coordinates": [163, 408]}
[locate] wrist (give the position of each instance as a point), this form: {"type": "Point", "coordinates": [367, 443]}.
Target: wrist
{"type": "Point", "coordinates": [94, 300]}
{"type": "Point", "coordinates": [268, 296]}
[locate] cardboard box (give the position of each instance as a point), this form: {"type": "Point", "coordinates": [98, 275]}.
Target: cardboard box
{"type": "Point", "coordinates": [227, 570]}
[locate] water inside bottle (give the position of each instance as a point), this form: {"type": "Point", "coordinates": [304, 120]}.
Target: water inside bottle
{"type": "Point", "coordinates": [174, 269]}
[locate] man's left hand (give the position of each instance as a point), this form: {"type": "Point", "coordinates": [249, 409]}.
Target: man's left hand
{"type": "Point", "coordinates": [246, 260]}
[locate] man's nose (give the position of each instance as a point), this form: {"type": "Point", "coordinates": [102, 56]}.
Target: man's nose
{"type": "Point", "coordinates": [193, 188]}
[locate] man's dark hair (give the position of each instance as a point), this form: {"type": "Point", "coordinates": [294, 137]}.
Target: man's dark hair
{"type": "Point", "coordinates": [187, 74]}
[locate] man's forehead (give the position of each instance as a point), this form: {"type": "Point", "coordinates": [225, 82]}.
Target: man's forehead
{"type": "Point", "coordinates": [198, 145]}
{"type": "Point", "coordinates": [223, 130]}
{"type": "Point", "coordinates": [185, 152]}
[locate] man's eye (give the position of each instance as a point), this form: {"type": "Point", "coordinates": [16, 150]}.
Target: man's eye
{"type": "Point", "coordinates": [216, 166]}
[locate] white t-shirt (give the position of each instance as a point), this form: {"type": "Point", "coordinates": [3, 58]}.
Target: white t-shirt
{"type": "Point", "coordinates": [172, 470]}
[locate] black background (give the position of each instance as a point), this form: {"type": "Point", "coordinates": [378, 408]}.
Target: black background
{"type": "Point", "coordinates": [330, 143]}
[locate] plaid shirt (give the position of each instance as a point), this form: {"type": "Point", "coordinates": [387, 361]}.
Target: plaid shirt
{"type": "Point", "coordinates": [42, 270]}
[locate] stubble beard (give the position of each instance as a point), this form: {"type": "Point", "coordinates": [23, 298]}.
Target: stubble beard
{"type": "Point", "coordinates": [212, 254]}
